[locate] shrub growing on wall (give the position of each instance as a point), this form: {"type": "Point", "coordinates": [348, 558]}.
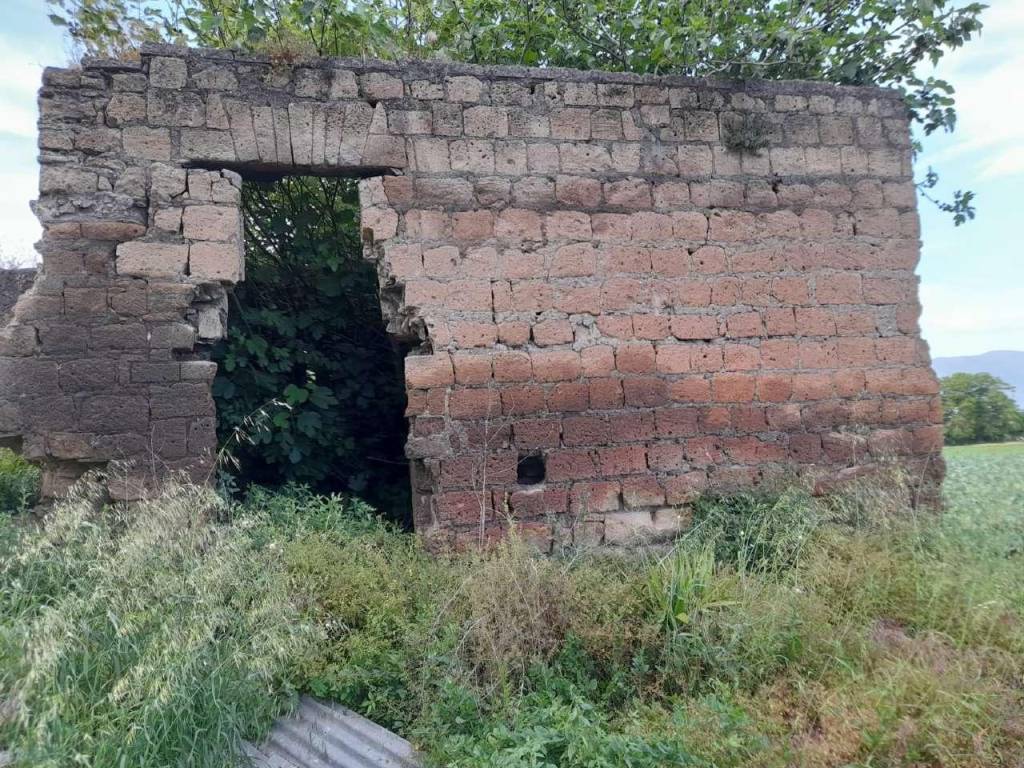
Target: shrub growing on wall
{"type": "Point", "coordinates": [309, 387]}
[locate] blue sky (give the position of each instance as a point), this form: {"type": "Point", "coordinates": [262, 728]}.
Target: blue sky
{"type": "Point", "coordinates": [972, 276]}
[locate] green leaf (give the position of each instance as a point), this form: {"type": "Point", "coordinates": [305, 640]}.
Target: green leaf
{"type": "Point", "coordinates": [295, 395]}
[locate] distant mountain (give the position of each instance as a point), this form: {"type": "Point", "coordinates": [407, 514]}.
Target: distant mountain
{"type": "Point", "coordinates": [1004, 364]}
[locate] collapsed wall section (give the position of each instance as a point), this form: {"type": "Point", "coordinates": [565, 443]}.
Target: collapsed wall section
{"type": "Point", "coordinates": [624, 290]}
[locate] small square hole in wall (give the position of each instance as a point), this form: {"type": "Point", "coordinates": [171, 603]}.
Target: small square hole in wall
{"type": "Point", "coordinates": [530, 470]}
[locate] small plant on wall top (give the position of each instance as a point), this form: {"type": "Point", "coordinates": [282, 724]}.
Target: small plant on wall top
{"type": "Point", "coordinates": [307, 349]}
{"type": "Point", "coordinates": [747, 132]}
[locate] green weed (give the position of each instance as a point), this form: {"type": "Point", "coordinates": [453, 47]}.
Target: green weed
{"type": "Point", "coordinates": [19, 482]}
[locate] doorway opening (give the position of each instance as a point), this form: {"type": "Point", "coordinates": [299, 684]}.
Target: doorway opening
{"type": "Point", "coordinates": [310, 386]}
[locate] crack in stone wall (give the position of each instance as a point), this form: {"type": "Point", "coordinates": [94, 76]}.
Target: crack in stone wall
{"type": "Point", "coordinates": [594, 273]}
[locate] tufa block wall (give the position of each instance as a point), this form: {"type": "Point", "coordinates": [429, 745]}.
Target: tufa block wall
{"type": "Point", "coordinates": [653, 285]}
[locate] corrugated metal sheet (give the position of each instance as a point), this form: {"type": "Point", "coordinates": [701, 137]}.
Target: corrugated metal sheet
{"type": "Point", "coordinates": [322, 735]}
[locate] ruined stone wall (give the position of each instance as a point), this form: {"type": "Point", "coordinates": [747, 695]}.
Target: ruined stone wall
{"type": "Point", "coordinates": [653, 285]}
{"type": "Point", "coordinates": [13, 283]}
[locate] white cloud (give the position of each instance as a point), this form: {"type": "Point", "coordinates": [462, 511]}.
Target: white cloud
{"type": "Point", "coordinates": [967, 319]}
{"type": "Point", "coordinates": [19, 228]}
{"type": "Point", "coordinates": [22, 76]}
{"type": "Point", "coordinates": [987, 74]}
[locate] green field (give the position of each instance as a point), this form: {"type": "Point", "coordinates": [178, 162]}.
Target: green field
{"type": "Point", "coordinates": [984, 492]}
{"type": "Point", "coordinates": [783, 631]}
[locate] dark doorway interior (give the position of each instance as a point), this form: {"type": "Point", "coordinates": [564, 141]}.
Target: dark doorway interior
{"type": "Point", "coordinates": [310, 386]}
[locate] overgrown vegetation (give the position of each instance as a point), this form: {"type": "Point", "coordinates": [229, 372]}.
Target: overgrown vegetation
{"type": "Point", "coordinates": [309, 386]}
{"type": "Point", "coordinates": [155, 635]}
{"type": "Point", "coordinates": [19, 482]}
{"type": "Point", "coordinates": [783, 630]}
{"type": "Point", "coordinates": [746, 132]}
{"type": "Point", "coordinates": [977, 408]}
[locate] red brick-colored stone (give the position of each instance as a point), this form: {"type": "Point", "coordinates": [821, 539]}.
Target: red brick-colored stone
{"type": "Point", "coordinates": [636, 357]}
{"type": "Point", "coordinates": [569, 396]}
{"type": "Point", "coordinates": [733, 387]}
{"type": "Point", "coordinates": [537, 433]}
{"type": "Point", "coordinates": [645, 392]}
{"type": "Point", "coordinates": [474, 403]}
{"type": "Point", "coordinates": [424, 371]}
{"type": "Point", "coordinates": [644, 491]}
{"type": "Point", "coordinates": [622, 460]}
{"type": "Point", "coordinates": [556, 365]}
{"type": "Point", "coordinates": [595, 497]}
{"type": "Point", "coordinates": [571, 465]}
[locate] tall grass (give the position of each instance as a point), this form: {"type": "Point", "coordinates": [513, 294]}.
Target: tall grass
{"type": "Point", "coordinates": [153, 635]}
{"type": "Point", "coordinates": [782, 630]}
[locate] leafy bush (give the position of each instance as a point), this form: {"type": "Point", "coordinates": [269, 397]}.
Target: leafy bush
{"type": "Point", "coordinates": [309, 386]}
{"type": "Point", "coordinates": [19, 482]}
{"type": "Point", "coordinates": [557, 728]}
{"type": "Point", "coordinates": [375, 597]}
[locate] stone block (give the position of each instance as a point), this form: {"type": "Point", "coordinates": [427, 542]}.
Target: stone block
{"type": "Point", "coordinates": [243, 133]}
{"type": "Point", "coordinates": [167, 72]}
{"type": "Point", "coordinates": [380, 85]}
{"type": "Point", "coordinates": [69, 179]}
{"type": "Point", "coordinates": [125, 109]}
{"type": "Point", "coordinates": [464, 88]}
{"type": "Point", "coordinates": [343, 84]}
{"type": "Point", "coordinates": [147, 143]}
{"type": "Point", "coordinates": [179, 336]}
{"type": "Point", "coordinates": [386, 151]}
{"type": "Point", "coordinates": [311, 82]}
{"type": "Point", "coordinates": [214, 78]}
{"type": "Point", "coordinates": [150, 259]}
{"type": "Point", "coordinates": [212, 222]}
{"type": "Point", "coordinates": [300, 122]}
{"type": "Point", "coordinates": [118, 231]}
{"type": "Point", "coordinates": [174, 109]}
{"type": "Point", "coordinates": [207, 145]}
{"type": "Point", "coordinates": [222, 262]}
{"type": "Point", "coordinates": [167, 182]}
{"type": "Point", "coordinates": [114, 413]}
{"type": "Point", "coordinates": [282, 135]}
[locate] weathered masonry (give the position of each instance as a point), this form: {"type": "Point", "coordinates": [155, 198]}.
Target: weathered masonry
{"type": "Point", "coordinates": [625, 289]}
